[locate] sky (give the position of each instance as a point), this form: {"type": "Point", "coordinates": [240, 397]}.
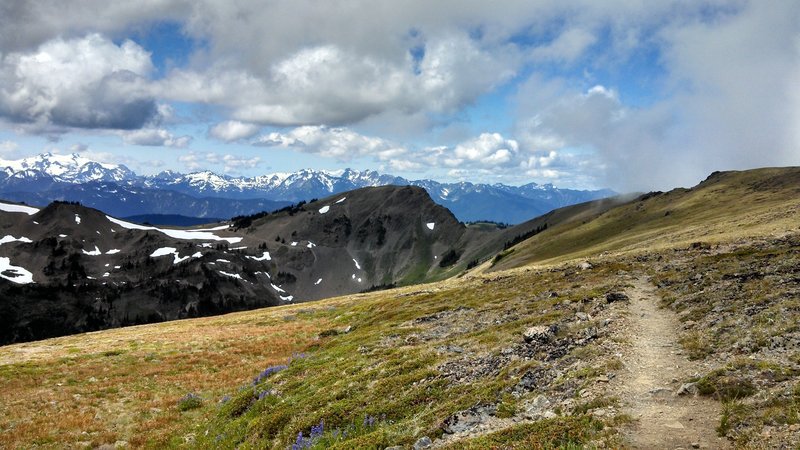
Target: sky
{"type": "Point", "coordinates": [625, 94]}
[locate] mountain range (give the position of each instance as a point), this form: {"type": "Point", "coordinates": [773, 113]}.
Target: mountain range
{"type": "Point", "coordinates": [119, 191]}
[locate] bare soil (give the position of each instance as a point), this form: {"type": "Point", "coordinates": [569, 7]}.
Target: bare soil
{"type": "Point", "coordinates": [655, 368]}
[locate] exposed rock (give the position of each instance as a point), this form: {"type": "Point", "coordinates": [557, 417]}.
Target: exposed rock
{"type": "Point", "coordinates": [585, 265]}
{"type": "Point", "coordinates": [612, 297]}
{"type": "Point", "coordinates": [687, 389]}
{"type": "Point", "coordinates": [468, 419]}
{"type": "Point", "coordinates": [582, 316]}
{"type": "Point", "coordinates": [539, 334]}
{"type": "Point", "coordinates": [423, 442]}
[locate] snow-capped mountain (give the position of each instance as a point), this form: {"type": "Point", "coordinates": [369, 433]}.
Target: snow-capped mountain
{"type": "Point", "coordinates": [47, 177]}
{"type": "Point", "coordinates": [71, 169]}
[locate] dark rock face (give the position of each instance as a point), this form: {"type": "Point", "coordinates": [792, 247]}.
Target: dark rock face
{"type": "Point", "coordinates": [92, 272]}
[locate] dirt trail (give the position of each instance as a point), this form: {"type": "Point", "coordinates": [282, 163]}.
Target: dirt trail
{"type": "Point", "coordinates": [654, 370]}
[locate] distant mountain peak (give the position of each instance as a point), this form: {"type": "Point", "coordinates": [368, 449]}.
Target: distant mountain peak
{"type": "Point", "coordinates": [69, 168]}
{"type": "Point", "coordinates": [469, 201]}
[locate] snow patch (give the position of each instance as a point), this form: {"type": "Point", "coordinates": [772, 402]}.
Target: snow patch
{"type": "Point", "coordinates": [311, 244]}
{"type": "Point", "coordinates": [77, 219]}
{"type": "Point", "coordinates": [318, 282]}
{"type": "Point", "coordinates": [15, 274]}
{"type": "Point", "coordinates": [288, 298]}
{"type": "Point", "coordinates": [341, 200]}
{"type": "Point", "coordinates": [276, 288]}
{"type": "Point", "coordinates": [223, 260]}
{"type": "Point", "coordinates": [8, 238]}
{"type": "Point", "coordinates": [95, 252]}
{"type": "Point", "coordinates": [106, 274]}
{"type": "Point", "coordinates": [232, 275]}
{"type": "Point", "coordinates": [264, 257]}
{"type": "Point", "coordinates": [324, 209]}
{"type": "Point", "coordinates": [294, 244]}
{"type": "Point", "coordinates": [197, 255]}
{"type": "Point", "coordinates": [7, 207]}
{"type": "Point", "coordinates": [113, 251]}
{"type": "Point", "coordinates": [62, 235]}
{"type": "Point", "coordinates": [163, 251]}
{"type": "Point", "coordinates": [177, 234]}
{"type": "Point", "coordinates": [238, 248]}
{"type": "Point", "coordinates": [430, 225]}
{"type": "Point", "coordinates": [357, 265]}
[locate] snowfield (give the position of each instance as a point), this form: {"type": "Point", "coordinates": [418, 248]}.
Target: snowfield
{"type": "Point", "coordinates": [179, 234]}
{"type": "Point", "coordinates": [8, 238]}
{"type": "Point", "coordinates": [29, 210]}
{"type": "Point", "coordinates": [15, 274]}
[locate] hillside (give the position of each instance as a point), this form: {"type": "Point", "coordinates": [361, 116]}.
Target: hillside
{"type": "Point", "coordinates": [723, 207]}
{"type": "Point", "coordinates": [74, 269]}
{"type": "Point", "coordinates": [562, 350]}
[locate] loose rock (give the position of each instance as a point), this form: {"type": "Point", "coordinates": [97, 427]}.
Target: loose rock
{"type": "Point", "coordinates": [616, 297]}
{"type": "Point", "coordinates": [537, 335]}
{"type": "Point", "coordinates": [423, 442]}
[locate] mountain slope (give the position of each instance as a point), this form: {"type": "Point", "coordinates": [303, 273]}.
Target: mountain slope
{"type": "Point", "coordinates": [71, 269]}
{"type": "Point", "coordinates": [725, 205]}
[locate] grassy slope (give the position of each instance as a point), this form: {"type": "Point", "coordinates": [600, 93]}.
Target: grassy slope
{"type": "Point", "coordinates": [397, 364]}
{"type": "Point", "coordinates": [724, 207]}
{"type": "Point", "coordinates": [387, 367]}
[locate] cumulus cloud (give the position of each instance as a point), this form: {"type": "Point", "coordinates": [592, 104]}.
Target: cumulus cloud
{"type": "Point", "coordinates": [87, 82]}
{"type": "Point", "coordinates": [341, 144]}
{"type": "Point", "coordinates": [730, 105]}
{"type": "Point", "coordinates": [233, 130]}
{"type": "Point", "coordinates": [719, 88]}
{"type": "Point", "coordinates": [487, 150]}
{"type": "Point", "coordinates": [153, 137]}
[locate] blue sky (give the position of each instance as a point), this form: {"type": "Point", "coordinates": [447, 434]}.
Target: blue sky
{"type": "Point", "coordinates": [623, 94]}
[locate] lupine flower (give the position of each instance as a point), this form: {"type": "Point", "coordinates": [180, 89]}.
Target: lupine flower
{"type": "Point", "coordinates": [267, 373]}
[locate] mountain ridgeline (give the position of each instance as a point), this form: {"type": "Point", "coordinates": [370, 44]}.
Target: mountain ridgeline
{"type": "Point", "coordinates": [117, 190]}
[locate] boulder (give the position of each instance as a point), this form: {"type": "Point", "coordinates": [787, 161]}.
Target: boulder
{"type": "Point", "coordinates": [423, 442]}
{"type": "Point", "coordinates": [539, 334]}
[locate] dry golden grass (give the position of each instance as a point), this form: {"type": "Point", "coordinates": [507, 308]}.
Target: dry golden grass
{"type": "Point", "coordinates": [124, 384]}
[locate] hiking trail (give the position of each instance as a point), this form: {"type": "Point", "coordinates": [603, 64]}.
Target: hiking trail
{"type": "Point", "coordinates": [655, 368]}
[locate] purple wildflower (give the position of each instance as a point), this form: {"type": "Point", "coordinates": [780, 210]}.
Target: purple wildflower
{"type": "Point", "coordinates": [269, 371]}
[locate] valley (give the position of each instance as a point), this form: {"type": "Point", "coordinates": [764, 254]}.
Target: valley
{"type": "Point", "coordinates": [669, 317]}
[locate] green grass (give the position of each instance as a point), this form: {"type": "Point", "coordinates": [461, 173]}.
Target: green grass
{"type": "Point", "coordinates": [572, 432]}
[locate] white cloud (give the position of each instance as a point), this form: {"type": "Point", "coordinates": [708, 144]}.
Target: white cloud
{"type": "Point", "coordinates": [718, 88]}
{"type": "Point", "coordinates": [340, 143]}
{"type": "Point", "coordinates": [229, 163]}
{"type": "Point", "coordinates": [88, 82]}
{"type": "Point", "coordinates": [154, 137]}
{"type": "Point", "coordinates": [233, 130]}
{"type": "Point", "coordinates": [727, 104]}
{"type": "Point", "coordinates": [567, 47]}
{"type": "Point", "coordinates": [487, 150]}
